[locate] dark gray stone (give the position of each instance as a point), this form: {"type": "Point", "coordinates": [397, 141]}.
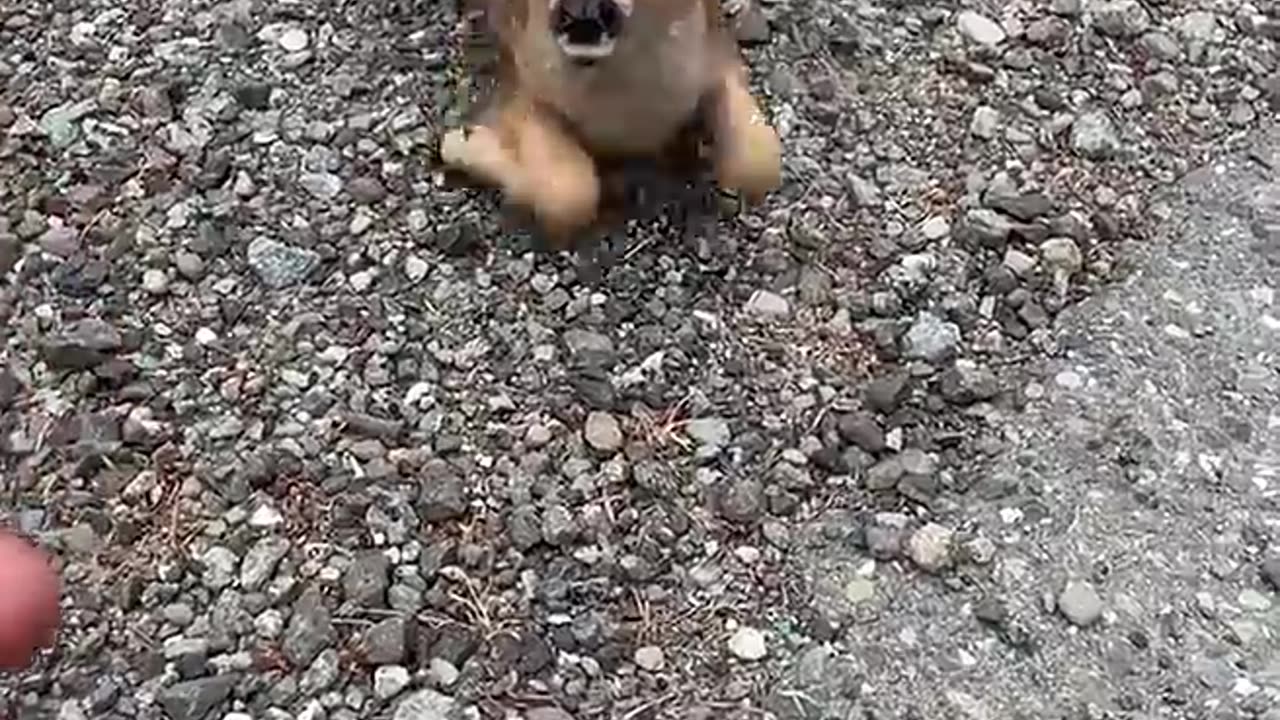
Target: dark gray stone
{"type": "Point", "coordinates": [195, 699]}
{"type": "Point", "coordinates": [310, 628]}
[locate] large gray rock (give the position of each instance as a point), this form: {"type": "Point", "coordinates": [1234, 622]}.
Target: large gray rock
{"type": "Point", "coordinates": [82, 344]}
{"type": "Point", "coordinates": [931, 338]}
{"type": "Point", "coordinates": [1094, 136]}
{"type": "Point", "coordinates": [1120, 18]}
{"type": "Point", "coordinates": [426, 705]}
{"type": "Point", "coordinates": [260, 562]}
{"type": "Point", "coordinates": [310, 629]}
{"type": "Point", "coordinates": [279, 265]}
{"type": "Point", "coordinates": [194, 699]}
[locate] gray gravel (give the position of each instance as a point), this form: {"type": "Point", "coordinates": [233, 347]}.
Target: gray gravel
{"type": "Point", "coordinates": [1126, 485]}
{"type": "Point", "coordinates": [977, 417]}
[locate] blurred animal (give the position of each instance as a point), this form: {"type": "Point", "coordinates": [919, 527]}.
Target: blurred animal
{"type": "Point", "coordinates": [584, 86]}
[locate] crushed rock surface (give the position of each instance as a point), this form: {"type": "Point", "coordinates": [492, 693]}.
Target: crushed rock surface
{"type": "Point", "coordinates": [977, 417]}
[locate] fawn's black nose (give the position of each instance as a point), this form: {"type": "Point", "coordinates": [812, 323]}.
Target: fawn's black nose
{"type": "Point", "coordinates": [587, 22]}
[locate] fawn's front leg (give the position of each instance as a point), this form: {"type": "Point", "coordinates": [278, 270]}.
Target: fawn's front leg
{"type": "Point", "coordinates": [537, 165]}
{"type": "Point", "coordinates": [747, 150]}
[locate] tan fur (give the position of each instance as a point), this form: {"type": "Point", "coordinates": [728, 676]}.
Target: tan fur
{"type": "Point", "coordinates": [553, 126]}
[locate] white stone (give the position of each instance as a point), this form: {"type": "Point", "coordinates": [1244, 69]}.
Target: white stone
{"type": "Point", "coordinates": [930, 547]}
{"type": "Point", "coordinates": [155, 282]}
{"type": "Point", "coordinates": [985, 123]}
{"type": "Point", "coordinates": [602, 432]}
{"type": "Point", "coordinates": [265, 516]}
{"type": "Point", "coordinates": [650, 658]}
{"type": "Point", "coordinates": [389, 681]}
{"type": "Point", "coordinates": [294, 40]}
{"type": "Point", "coordinates": [415, 268]}
{"type": "Point", "coordinates": [748, 644]}
{"type": "Point", "coordinates": [1080, 603]}
{"type": "Point", "coordinates": [1069, 379]}
{"type": "Point", "coordinates": [361, 281]}
{"type": "Point", "coordinates": [859, 590]}
{"type": "Point", "coordinates": [1251, 599]}
{"type": "Point", "coordinates": [443, 673]}
{"type": "Point", "coordinates": [980, 28]}
{"type": "Point", "coordinates": [768, 304]}
{"type": "Point", "coordinates": [206, 337]}
{"type": "Point", "coordinates": [935, 228]}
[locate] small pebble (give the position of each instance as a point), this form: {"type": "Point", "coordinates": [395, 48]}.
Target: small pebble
{"type": "Point", "coordinates": [1080, 603]}
{"type": "Point", "coordinates": [766, 304]}
{"type": "Point", "coordinates": [935, 228]}
{"type": "Point", "coordinates": [189, 265]}
{"type": "Point", "coordinates": [859, 590]}
{"type": "Point", "coordinates": [602, 432]}
{"type": "Point", "coordinates": [443, 673]}
{"type": "Point", "coordinates": [1253, 600]}
{"type": "Point", "coordinates": [155, 281]}
{"type": "Point", "coordinates": [294, 40]}
{"type": "Point", "coordinates": [415, 268]}
{"type": "Point", "coordinates": [708, 431]}
{"type": "Point", "coordinates": [979, 28]}
{"type": "Point", "coordinates": [747, 643]}
{"type": "Point", "coordinates": [650, 658]}
{"type": "Point", "coordinates": [390, 680]}
{"type": "Point", "coordinates": [930, 548]}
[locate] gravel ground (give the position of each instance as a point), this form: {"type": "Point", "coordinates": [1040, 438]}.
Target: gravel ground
{"type": "Point", "coordinates": [977, 418]}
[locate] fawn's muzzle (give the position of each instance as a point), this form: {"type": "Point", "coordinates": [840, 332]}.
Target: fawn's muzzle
{"type": "Point", "coordinates": [586, 30]}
